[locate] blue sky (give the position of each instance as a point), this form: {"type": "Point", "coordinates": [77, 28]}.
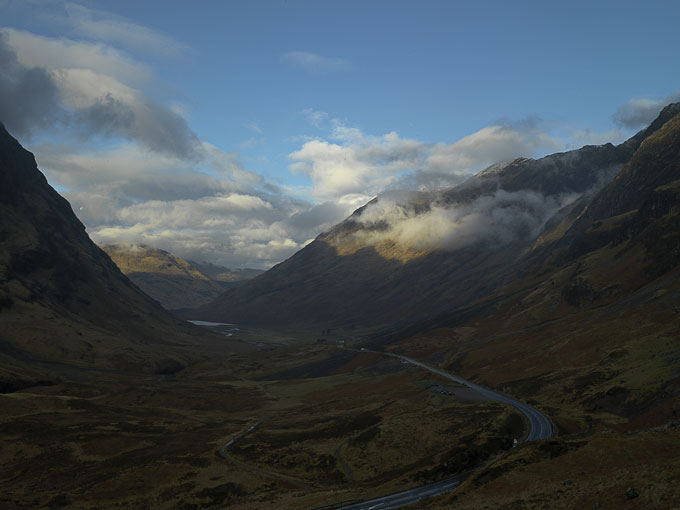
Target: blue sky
{"type": "Point", "coordinates": [235, 132]}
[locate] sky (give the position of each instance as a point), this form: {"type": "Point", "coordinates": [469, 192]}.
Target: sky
{"type": "Point", "coordinates": [235, 132]}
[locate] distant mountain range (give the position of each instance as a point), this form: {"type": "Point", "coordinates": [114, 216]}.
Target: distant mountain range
{"type": "Point", "coordinates": [174, 282]}
{"type": "Point", "coordinates": [424, 258]}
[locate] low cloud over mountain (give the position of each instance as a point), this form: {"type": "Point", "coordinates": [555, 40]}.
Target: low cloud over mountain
{"type": "Point", "coordinates": [494, 219]}
{"type": "Point", "coordinates": [123, 148]}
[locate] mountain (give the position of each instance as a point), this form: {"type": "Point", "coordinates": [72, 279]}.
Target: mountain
{"type": "Point", "coordinates": [404, 258]}
{"type": "Point", "coordinates": [172, 281]}
{"type": "Point", "coordinates": [62, 299]}
{"type": "Point", "coordinates": [556, 281]}
{"type": "Point", "coordinates": [586, 325]}
{"type": "Point", "coordinates": [225, 276]}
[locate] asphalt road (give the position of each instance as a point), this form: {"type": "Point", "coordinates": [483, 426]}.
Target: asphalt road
{"type": "Point", "coordinates": [539, 428]}
{"type": "Point", "coordinates": [223, 450]}
{"type": "Point", "coordinates": [405, 498]}
{"type": "Point", "coordinates": [539, 424]}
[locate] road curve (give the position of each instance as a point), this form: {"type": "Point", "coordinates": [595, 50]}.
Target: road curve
{"type": "Point", "coordinates": [539, 428]}
{"type": "Point", "coordinates": [539, 424]}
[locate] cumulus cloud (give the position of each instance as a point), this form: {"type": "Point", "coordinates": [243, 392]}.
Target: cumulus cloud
{"type": "Point", "coordinates": [488, 146]}
{"type": "Point", "coordinates": [82, 82]}
{"type": "Point", "coordinates": [209, 211]}
{"type": "Point", "coordinates": [230, 230]}
{"type": "Point", "coordinates": [28, 95]}
{"type": "Point", "coordinates": [350, 162]}
{"type": "Point", "coordinates": [230, 165]}
{"type": "Point", "coordinates": [128, 171]}
{"type": "Point", "coordinates": [638, 113]}
{"type": "Point", "coordinates": [157, 183]}
{"type": "Point", "coordinates": [50, 53]}
{"type": "Point", "coordinates": [315, 63]}
{"type": "Point", "coordinates": [152, 180]}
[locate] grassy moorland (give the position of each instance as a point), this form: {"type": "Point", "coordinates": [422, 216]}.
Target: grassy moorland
{"type": "Point", "coordinates": [608, 378]}
{"type": "Point", "coordinates": [335, 425]}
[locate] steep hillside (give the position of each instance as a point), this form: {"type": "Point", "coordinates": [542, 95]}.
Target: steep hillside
{"type": "Point", "coordinates": [62, 299]}
{"type": "Point", "coordinates": [588, 330]}
{"type": "Point", "coordinates": [172, 281]}
{"type": "Point", "coordinates": [403, 259]}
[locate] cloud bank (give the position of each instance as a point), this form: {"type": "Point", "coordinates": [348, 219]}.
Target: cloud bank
{"type": "Point", "coordinates": [352, 167]}
{"type": "Point", "coordinates": [46, 82]}
{"type": "Point", "coordinates": [491, 220]}
{"type": "Point", "coordinates": [638, 113]}
{"type": "Point", "coordinates": [135, 171]}
{"type": "Point", "coordinates": [28, 95]}
{"type": "Point", "coordinates": [132, 168]}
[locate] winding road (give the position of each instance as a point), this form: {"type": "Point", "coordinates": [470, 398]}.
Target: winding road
{"type": "Point", "coordinates": [539, 428]}
{"type": "Point", "coordinates": [539, 424]}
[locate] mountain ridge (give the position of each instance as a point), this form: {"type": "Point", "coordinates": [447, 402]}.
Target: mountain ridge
{"type": "Point", "coordinates": [367, 285]}
{"type": "Point", "coordinates": [174, 282]}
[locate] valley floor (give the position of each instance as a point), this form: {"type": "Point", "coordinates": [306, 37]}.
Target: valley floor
{"type": "Point", "coordinates": [330, 425]}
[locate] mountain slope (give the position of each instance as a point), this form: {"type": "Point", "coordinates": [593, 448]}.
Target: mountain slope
{"type": "Point", "coordinates": [402, 260]}
{"type": "Point", "coordinates": [588, 320]}
{"type": "Point", "coordinates": [172, 281]}
{"type": "Point", "coordinates": [585, 328]}
{"type": "Point", "coordinates": [62, 299]}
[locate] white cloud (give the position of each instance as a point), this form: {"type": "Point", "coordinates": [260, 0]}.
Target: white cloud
{"type": "Point", "coordinates": [104, 26]}
{"type": "Point", "coordinates": [494, 219]}
{"type": "Point", "coordinates": [129, 195]}
{"type": "Point", "coordinates": [229, 164]}
{"type": "Point", "coordinates": [354, 164]}
{"type": "Point", "coordinates": [246, 202]}
{"type": "Point", "coordinates": [638, 113]}
{"type": "Point", "coordinates": [82, 88]}
{"type": "Point", "coordinates": [234, 230]}
{"type": "Point", "coordinates": [315, 63]}
{"type": "Point", "coordinates": [97, 94]}
{"type": "Point", "coordinates": [157, 183]}
{"type": "Point", "coordinates": [314, 117]}
{"type": "Point", "coordinates": [152, 181]}
{"type": "Point", "coordinates": [46, 52]}
{"type": "Point", "coordinates": [488, 146]}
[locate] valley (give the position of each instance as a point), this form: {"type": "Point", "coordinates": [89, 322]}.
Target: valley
{"type": "Point", "coordinates": [367, 364]}
{"type": "Point", "coordinates": [154, 441]}
{"type": "Point", "coordinates": [313, 424]}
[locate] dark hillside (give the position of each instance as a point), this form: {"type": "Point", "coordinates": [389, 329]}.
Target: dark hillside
{"type": "Point", "coordinates": [62, 299]}
{"type": "Point", "coordinates": [342, 281]}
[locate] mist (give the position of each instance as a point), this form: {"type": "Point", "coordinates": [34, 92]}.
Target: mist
{"type": "Point", "coordinates": [492, 220]}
